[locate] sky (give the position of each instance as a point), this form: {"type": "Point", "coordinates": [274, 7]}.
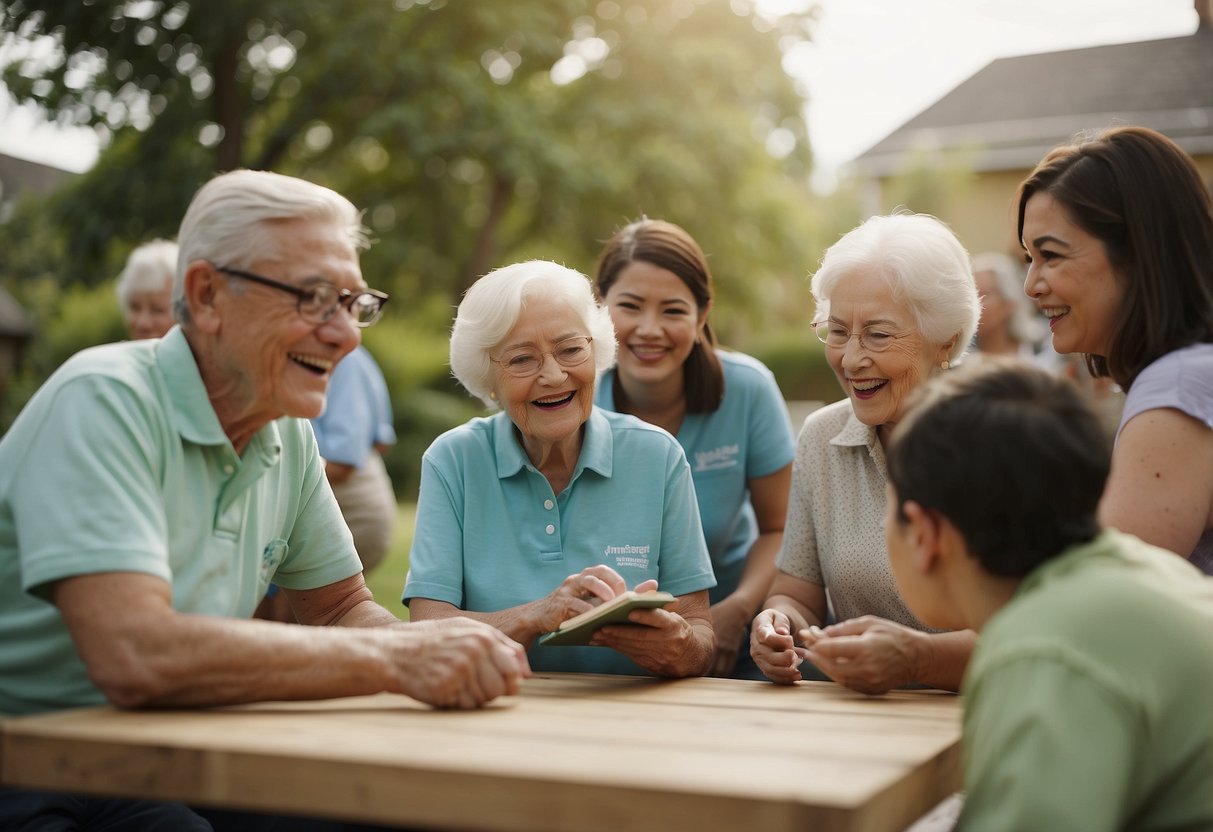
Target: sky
{"type": "Point", "coordinates": [872, 65]}
{"type": "Point", "coordinates": [875, 64]}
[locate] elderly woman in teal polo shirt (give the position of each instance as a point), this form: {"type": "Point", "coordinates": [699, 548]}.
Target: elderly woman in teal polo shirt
{"type": "Point", "coordinates": [551, 506]}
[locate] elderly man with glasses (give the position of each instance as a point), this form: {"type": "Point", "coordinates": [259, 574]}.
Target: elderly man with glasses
{"type": "Point", "coordinates": [151, 491]}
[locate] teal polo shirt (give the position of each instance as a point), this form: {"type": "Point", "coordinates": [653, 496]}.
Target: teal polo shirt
{"type": "Point", "coordinates": [119, 464]}
{"type": "Point", "coordinates": [749, 436]}
{"type": "Point", "coordinates": [491, 535]}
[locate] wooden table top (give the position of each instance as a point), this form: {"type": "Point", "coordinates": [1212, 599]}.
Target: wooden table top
{"type": "Point", "coordinates": [571, 752]}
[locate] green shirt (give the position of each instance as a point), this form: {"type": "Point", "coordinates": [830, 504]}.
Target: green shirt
{"type": "Point", "coordinates": [119, 464]}
{"type": "Point", "coordinates": [1089, 699]}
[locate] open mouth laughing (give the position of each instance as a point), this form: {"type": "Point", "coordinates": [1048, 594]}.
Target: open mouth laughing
{"type": "Point", "coordinates": [312, 363]}
{"type": "Point", "coordinates": [866, 388]}
{"type": "Point", "coordinates": [1054, 314]}
{"type": "Point", "coordinates": [553, 402]}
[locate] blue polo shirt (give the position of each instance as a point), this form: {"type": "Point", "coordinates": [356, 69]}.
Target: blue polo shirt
{"type": "Point", "coordinates": [747, 437]}
{"type": "Point", "coordinates": [357, 411]}
{"type": "Point", "coordinates": [119, 464]}
{"type": "Point", "coordinates": [491, 535]}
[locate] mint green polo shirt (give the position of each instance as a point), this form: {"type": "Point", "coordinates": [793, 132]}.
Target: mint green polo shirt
{"type": "Point", "coordinates": [1087, 701]}
{"type": "Point", "coordinates": [119, 464]}
{"type": "Point", "coordinates": [491, 535]}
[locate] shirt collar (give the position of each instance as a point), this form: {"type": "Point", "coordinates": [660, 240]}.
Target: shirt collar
{"type": "Point", "coordinates": [855, 434]}
{"type": "Point", "coordinates": [192, 410]}
{"type": "Point", "coordinates": [597, 446]}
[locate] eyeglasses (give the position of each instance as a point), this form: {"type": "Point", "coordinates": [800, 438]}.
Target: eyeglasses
{"type": "Point", "coordinates": [318, 302]}
{"type": "Point", "coordinates": [871, 338]}
{"type": "Point", "coordinates": [525, 361]}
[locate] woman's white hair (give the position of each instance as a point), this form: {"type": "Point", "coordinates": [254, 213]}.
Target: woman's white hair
{"type": "Point", "coordinates": [226, 221]}
{"type": "Point", "coordinates": [1025, 324]}
{"type": "Point", "coordinates": [924, 266]}
{"type": "Point", "coordinates": [491, 308]}
{"type": "Point", "coordinates": [149, 268]}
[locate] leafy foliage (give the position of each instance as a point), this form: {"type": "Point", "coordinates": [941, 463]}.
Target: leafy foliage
{"type": "Point", "coordinates": [473, 135]}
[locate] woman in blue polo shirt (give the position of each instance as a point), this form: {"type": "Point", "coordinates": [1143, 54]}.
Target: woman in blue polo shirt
{"type": "Point", "coordinates": [532, 515]}
{"type": "Point", "coordinates": [724, 408]}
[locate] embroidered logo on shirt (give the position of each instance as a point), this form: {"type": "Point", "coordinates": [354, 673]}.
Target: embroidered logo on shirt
{"type": "Point", "coordinates": [726, 456]}
{"type": "Point", "coordinates": [634, 556]}
{"type": "Point", "coordinates": [271, 556]}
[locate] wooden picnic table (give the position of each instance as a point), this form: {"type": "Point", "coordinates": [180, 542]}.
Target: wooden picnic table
{"type": "Point", "coordinates": [571, 752]}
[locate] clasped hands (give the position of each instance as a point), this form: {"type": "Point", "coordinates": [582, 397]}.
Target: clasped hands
{"type": "Point", "coordinates": [867, 654]}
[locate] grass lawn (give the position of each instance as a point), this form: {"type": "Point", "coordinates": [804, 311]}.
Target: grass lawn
{"type": "Point", "coordinates": [387, 579]}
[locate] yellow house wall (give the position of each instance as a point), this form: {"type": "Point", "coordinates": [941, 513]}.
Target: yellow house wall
{"type": "Point", "coordinates": [983, 213]}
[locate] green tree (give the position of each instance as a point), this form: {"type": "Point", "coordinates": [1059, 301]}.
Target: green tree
{"type": "Point", "coordinates": [473, 134]}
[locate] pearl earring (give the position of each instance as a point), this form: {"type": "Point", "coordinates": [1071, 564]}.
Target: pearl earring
{"type": "Point", "coordinates": [945, 364]}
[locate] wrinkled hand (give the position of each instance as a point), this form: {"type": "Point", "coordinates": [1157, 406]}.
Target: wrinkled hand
{"type": "Point", "coordinates": [576, 594]}
{"type": "Point", "coordinates": [458, 662]}
{"type": "Point", "coordinates": [773, 648]}
{"type": "Point", "coordinates": [660, 645]}
{"type": "Point", "coordinates": [729, 620]}
{"type": "Point", "coordinates": [868, 654]}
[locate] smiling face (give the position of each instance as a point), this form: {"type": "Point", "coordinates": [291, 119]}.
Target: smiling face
{"type": "Point", "coordinates": [263, 360]}
{"type": "Point", "coordinates": [149, 314]}
{"type": "Point", "coordinates": [1070, 278]}
{"type": "Point", "coordinates": [878, 383]}
{"type": "Point", "coordinates": [551, 406]}
{"type": "Point", "coordinates": [656, 324]}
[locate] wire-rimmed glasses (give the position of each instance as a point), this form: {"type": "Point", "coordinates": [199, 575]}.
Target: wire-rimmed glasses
{"type": "Point", "coordinates": [872, 338]}
{"type": "Point", "coordinates": [318, 302]}
{"type": "Point", "coordinates": [524, 362]}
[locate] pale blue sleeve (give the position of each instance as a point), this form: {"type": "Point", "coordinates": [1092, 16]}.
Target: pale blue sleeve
{"type": "Point", "coordinates": [436, 557]}
{"type": "Point", "coordinates": [90, 474]}
{"type": "Point", "coordinates": [771, 443]}
{"type": "Point", "coordinates": [343, 431]}
{"type": "Point", "coordinates": [1046, 747]}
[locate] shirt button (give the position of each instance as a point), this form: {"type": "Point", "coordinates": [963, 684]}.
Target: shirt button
{"type": "Point", "coordinates": [548, 504]}
{"type": "Point", "coordinates": [228, 469]}
{"type": "Point", "coordinates": [550, 529]}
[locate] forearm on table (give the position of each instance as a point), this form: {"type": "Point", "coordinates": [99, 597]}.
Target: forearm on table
{"type": "Point", "coordinates": [516, 622]}
{"type": "Point", "coordinates": [944, 659]}
{"type": "Point", "coordinates": [190, 660]}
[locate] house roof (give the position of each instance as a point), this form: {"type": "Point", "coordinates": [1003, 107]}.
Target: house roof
{"type": "Point", "coordinates": [1014, 110]}
{"type": "Point", "coordinates": [20, 175]}
{"type": "Point", "coordinates": [14, 322]}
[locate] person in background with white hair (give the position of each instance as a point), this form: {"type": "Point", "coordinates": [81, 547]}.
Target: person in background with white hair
{"type": "Point", "coordinates": [896, 305]}
{"type": "Point", "coordinates": [1010, 324]}
{"type": "Point", "coordinates": [151, 491]}
{"type": "Point", "coordinates": [145, 289]}
{"type": "Point", "coordinates": [551, 506]}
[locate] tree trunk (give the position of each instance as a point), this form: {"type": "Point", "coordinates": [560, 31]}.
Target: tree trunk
{"type": "Point", "coordinates": [484, 248]}
{"type": "Point", "coordinates": [228, 115]}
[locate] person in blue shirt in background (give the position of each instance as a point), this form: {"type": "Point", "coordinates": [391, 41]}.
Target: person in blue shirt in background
{"type": "Point", "coordinates": [353, 433]}
{"type": "Point", "coordinates": [724, 408]}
